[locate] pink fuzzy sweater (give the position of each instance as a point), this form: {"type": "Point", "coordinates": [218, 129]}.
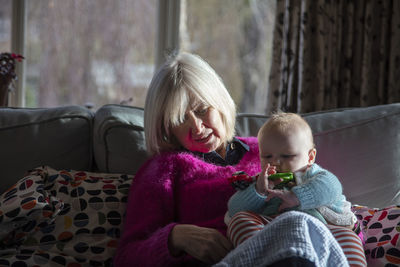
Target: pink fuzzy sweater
{"type": "Point", "coordinates": [176, 188]}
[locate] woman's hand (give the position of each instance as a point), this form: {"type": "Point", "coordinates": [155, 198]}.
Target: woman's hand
{"type": "Point", "coordinates": [205, 244]}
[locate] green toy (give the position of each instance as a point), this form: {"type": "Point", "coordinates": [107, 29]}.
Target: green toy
{"type": "Point", "coordinates": [286, 176]}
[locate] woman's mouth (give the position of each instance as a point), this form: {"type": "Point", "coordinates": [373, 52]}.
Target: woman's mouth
{"type": "Point", "coordinates": [203, 139]}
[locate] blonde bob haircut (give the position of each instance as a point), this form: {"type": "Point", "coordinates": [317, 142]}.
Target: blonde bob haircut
{"type": "Point", "coordinates": [183, 80]}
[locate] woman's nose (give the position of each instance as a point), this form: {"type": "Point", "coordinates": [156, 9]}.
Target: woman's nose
{"type": "Point", "coordinates": [196, 124]}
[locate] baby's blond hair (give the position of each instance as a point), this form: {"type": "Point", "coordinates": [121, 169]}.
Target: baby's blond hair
{"type": "Point", "coordinates": [284, 122]}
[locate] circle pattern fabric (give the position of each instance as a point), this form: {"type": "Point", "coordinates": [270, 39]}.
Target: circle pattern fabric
{"type": "Point", "coordinates": [63, 217]}
{"type": "Point", "coordinates": [381, 230]}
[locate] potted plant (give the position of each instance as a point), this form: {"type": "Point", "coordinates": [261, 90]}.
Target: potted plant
{"type": "Point", "coordinates": [7, 74]}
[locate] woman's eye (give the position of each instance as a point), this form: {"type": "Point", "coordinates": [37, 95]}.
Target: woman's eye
{"type": "Point", "coordinates": [201, 111]}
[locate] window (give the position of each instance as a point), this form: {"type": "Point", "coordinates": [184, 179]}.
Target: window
{"type": "Point", "coordinates": [235, 37]}
{"type": "Point", "coordinates": [90, 52]}
{"type": "Point", "coordinates": [5, 25]}
{"type": "Point", "coordinates": [96, 52]}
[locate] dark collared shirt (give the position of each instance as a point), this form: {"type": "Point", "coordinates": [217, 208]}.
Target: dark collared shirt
{"type": "Point", "coordinates": [235, 151]}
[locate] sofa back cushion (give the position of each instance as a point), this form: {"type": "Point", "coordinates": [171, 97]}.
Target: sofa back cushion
{"type": "Point", "coordinates": [60, 137]}
{"type": "Point", "coordinates": [360, 145]}
{"type": "Point", "coordinates": [119, 144]}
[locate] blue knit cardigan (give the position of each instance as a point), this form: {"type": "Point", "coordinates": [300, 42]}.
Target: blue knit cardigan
{"type": "Point", "coordinates": [317, 187]}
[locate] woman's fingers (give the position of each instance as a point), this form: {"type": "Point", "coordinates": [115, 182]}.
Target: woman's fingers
{"type": "Point", "coordinates": [205, 244]}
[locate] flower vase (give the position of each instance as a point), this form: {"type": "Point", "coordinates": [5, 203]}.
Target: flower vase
{"type": "Point", "coordinates": [5, 83]}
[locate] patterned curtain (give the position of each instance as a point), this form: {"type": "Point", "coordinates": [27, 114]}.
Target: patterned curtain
{"type": "Point", "coordinates": [330, 54]}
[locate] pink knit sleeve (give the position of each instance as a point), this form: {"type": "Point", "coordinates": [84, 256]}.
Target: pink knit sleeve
{"type": "Point", "coordinates": [149, 218]}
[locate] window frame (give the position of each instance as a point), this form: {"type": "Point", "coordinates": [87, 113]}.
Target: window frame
{"type": "Point", "coordinates": [18, 34]}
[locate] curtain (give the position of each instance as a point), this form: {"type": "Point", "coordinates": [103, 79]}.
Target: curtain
{"type": "Point", "coordinates": [330, 54]}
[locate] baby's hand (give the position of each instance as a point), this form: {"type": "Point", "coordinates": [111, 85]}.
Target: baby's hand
{"type": "Point", "coordinates": [289, 199]}
{"type": "Point", "coordinates": [263, 184]}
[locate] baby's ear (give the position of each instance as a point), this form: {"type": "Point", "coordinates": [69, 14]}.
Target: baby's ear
{"type": "Point", "coordinates": [312, 155]}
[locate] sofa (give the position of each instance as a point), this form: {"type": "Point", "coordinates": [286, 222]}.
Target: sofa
{"type": "Point", "coordinates": [66, 172]}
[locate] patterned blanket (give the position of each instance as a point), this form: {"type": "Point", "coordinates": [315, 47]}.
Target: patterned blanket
{"type": "Point", "coordinates": [63, 218]}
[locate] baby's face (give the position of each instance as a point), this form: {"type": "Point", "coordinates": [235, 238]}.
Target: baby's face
{"type": "Point", "coordinates": [289, 152]}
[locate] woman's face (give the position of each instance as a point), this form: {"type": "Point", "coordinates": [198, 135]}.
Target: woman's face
{"type": "Point", "coordinates": [202, 130]}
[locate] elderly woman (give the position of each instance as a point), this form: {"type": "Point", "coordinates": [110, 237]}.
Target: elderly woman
{"type": "Point", "coordinates": [175, 212]}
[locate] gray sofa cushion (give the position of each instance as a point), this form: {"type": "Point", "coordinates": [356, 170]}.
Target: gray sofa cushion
{"type": "Point", "coordinates": [119, 144]}
{"type": "Point", "coordinates": [360, 145]}
{"type": "Point", "coordinates": [59, 137]}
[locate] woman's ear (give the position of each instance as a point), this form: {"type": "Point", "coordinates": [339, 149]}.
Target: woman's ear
{"type": "Point", "coordinates": [312, 155]}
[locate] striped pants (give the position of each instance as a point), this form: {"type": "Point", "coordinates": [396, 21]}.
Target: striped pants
{"type": "Point", "coordinates": [246, 224]}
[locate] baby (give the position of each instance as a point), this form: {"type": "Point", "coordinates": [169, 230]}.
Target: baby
{"type": "Point", "coordinates": [286, 146]}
